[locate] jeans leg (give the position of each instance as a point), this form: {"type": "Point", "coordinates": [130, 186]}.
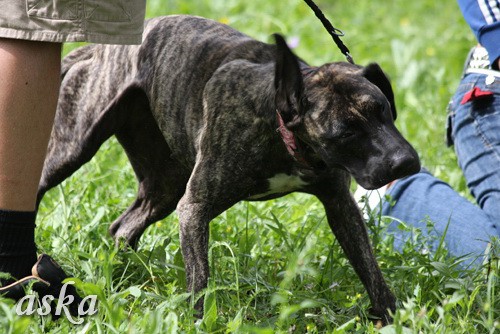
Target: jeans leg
{"type": "Point", "coordinates": [421, 198]}
{"type": "Point", "coordinates": [475, 129]}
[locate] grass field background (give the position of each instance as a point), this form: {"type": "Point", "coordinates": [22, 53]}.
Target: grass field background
{"type": "Point", "coordinates": [276, 267]}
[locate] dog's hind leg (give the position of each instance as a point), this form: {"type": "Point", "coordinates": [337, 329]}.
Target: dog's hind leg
{"type": "Point", "coordinates": [162, 180]}
{"type": "Point", "coordinates": [79, 130]}
{"type": "Point", "coordinates": [92, 105]}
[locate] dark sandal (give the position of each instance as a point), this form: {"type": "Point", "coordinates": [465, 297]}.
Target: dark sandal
{"type": "Point", "coordinates": [46, 279]}
{"type": "Point", "coordinates": [16, 290]}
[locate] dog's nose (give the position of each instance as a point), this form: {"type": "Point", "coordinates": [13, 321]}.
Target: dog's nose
{"type": "Point", "coordinates": [405, 163]}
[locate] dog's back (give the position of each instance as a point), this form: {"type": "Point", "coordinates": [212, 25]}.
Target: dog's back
{"type": "Point", "coordinates": [115, 90]}
{"type": "Point", "coordinates": [178, 57]}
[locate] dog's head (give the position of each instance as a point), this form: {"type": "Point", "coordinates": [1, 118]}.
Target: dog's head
{"type": "Point", "coordinates": [346, 114]}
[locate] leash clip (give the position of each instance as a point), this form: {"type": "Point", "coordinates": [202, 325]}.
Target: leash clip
{"type": "Point", "coordinates": [334, 32]}
{"type": "Point", "coordinates": [349, 58]}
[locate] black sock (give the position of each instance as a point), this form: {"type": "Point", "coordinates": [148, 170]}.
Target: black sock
{"type": "Point", "coordinates": [17, 243]}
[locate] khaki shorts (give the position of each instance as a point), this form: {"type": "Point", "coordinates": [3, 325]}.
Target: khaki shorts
{"type": "Point", "coordinates": [95, 21]}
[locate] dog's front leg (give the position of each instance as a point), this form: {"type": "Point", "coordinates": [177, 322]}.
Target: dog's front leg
{"type": "Point", "coordinates": [347, 224]}
{"type": "Point", "coordinates": [206, 196]}
{"type": "Point", "coordinates": [194, 219]}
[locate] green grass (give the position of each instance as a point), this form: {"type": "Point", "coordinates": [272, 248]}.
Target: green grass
{"type": "Point", "coordinates": [275, 266]}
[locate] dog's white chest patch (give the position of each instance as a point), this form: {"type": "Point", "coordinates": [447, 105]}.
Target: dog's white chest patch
{"type": "Point", "coordinates": [282, 183]}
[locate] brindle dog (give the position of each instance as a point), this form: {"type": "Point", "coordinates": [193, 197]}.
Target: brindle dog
{"type": "Point", "coordinates": [209, 116]}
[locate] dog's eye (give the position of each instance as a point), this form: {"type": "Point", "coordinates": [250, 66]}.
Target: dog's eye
{"type": "Point", "coordinates": [342, 136]}
{"type": "Point", "coordinates": [347, 134]}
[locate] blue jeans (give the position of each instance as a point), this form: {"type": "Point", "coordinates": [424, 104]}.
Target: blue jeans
{"type": "Point", "coordinates": [474, 128]}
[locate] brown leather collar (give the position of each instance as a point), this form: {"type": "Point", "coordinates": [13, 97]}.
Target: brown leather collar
{"type": "Point", "coordinates": [290, 142]}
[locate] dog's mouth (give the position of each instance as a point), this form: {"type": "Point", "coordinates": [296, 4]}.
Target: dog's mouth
{"type": "Point", "coordinates": [372, 183]}
{"type": "Point", "coordinates": [373, 178]}
{"type": "Point", "coordinates": [369, 182]}
{"type": "Point", "coordinates": [386, 173]}
{"type": "Point", "coordinates": [370, 173]}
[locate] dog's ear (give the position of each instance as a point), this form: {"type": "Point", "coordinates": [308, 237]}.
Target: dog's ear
{"type": "Point", "coordinates": [376, 76]}
{"type": "Point", "coordinates": [288, 83]}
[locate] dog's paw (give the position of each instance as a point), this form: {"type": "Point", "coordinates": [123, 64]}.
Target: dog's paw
{"type": "Point", "coordinates": [124, 238]}
{"type": "Point", "coordinates": [380, 318]}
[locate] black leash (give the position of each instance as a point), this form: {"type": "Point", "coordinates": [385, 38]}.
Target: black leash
{"type": "Point", "coordinates": [334, 32]}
